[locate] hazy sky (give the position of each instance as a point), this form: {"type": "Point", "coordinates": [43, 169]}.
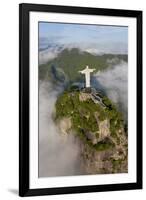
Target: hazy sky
{"type": "Point", "coordinates": [102, 38]}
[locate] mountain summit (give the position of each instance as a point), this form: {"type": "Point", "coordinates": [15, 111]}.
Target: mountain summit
{"type": "Point", "coordinates": [98, 127]}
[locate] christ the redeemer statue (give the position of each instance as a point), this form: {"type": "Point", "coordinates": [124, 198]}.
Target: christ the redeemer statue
{"type": "Point", "coordinates": [87, 72]}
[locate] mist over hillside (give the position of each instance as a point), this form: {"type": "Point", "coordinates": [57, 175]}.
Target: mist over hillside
{"type": "Point", "coordinates": [56, 156]}
{"type": "Point", "coordinates": [50, 50]}
{"type": "Point", "coordinates": [64, 70]}
{"type": "Point", "coordinates": [114, 82]}
{"type": "Point", "coordinates": [70, 61]}
{"type": "Point", "coordinates": [59, 69]}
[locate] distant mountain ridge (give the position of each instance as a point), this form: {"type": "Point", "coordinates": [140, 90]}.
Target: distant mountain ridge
{"type": "Point", "coordinates": [69, 61]}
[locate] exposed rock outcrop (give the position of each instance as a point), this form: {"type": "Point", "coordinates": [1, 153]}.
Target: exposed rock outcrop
{"type": "Point", "coordinates": [99, 131]}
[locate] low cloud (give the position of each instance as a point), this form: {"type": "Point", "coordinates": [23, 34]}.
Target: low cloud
{"type": "Point", "coordinates": [57, 157]}
{"type": "Point", "coordinates": [49, 51]}
{"type": "Point", "coordinates": [47, 55]}
{"type": "Point", "coordinates": [114, 82]}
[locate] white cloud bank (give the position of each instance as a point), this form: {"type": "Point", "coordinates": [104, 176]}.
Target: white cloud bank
{"type": "Point", "coordinates": [114, 82]}
{"type": "Point", "coordinates": [96, 49]}
{"type": "Point", "coordinates": [57, 157]}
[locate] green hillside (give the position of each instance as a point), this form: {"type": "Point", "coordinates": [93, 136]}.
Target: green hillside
{"type": "Point", "coordinates": [67, 64]}
{"type": "Point", "coordinates": [83, 112]}
{"type": "Point", "coordinates": [99, 129]}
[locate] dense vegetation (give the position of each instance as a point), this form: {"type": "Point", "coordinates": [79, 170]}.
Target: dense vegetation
{"type": "Point", "coordinates": [69, 62]}
{"type": "Point", "coordinates": [82, 114]}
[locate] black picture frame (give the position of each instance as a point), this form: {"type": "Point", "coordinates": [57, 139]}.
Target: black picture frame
{"type": "Point", "coordinates": [24, 10]}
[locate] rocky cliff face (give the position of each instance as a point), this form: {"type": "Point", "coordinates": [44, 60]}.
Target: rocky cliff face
{"type": "Point", "coordinates": [99, 129]}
